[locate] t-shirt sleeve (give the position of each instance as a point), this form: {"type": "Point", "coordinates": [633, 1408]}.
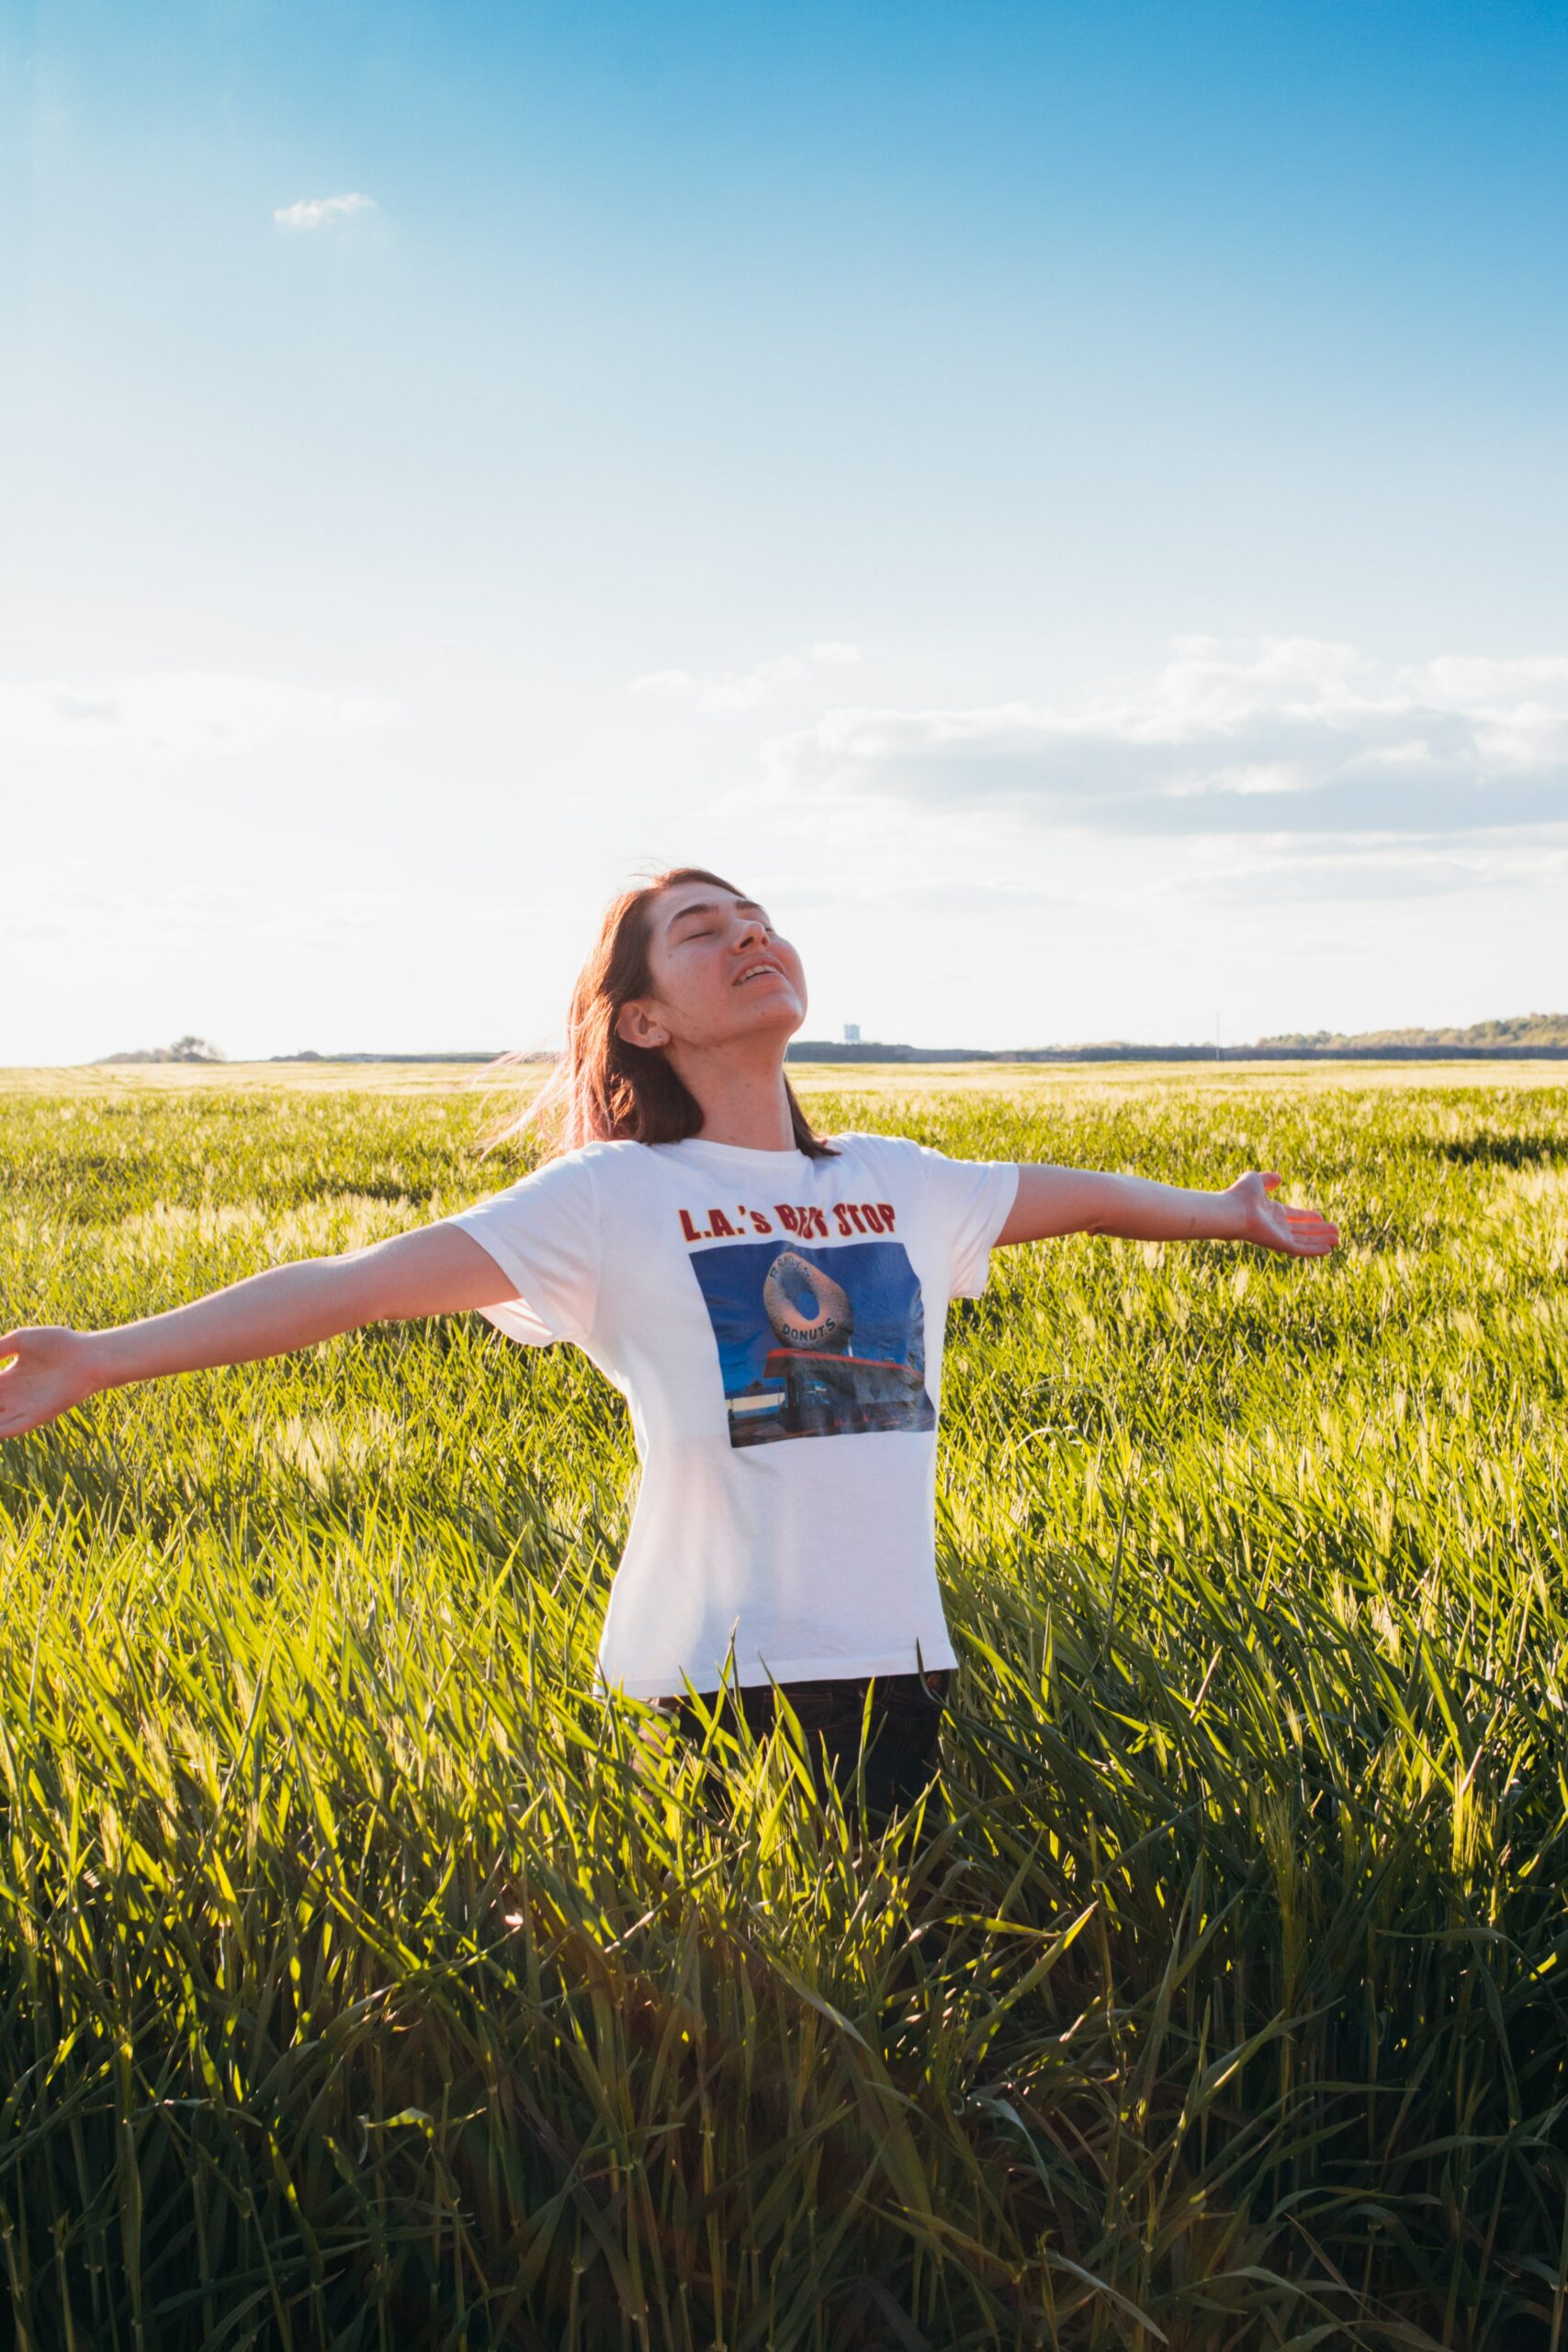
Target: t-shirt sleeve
{"type": "Point", "coordinates": [544, 1235]}
{"type": "Point", "coordinates": [972, 1199]}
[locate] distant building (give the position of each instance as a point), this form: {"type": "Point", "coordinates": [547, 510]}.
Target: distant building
{"type": "Point", "coordinates": [851, 1033]}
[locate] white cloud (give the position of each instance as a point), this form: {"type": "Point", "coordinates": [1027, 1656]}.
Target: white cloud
{"type": "Point", "coordinates": [179, 713]}
{"type": "Point", "coordinates": [310, 212]}
{"type": "Point", "coordinates": [1462, 679]}
{"type": "Point", "coordinates": [1326, 872]}
{"type": "Point", "coordinates": [1294, 736]}
{"type": "Point", "coordinates": [744, 690]}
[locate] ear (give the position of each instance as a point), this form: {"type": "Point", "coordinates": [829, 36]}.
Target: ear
{"type": "Point", "coordinates": [634, 1026]}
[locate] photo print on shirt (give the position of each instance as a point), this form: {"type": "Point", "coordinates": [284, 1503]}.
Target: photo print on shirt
{"type": "Point", "coordinates": [816, 1343]}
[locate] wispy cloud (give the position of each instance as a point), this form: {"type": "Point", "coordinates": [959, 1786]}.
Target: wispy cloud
{"type": "Point", "coordinates": [179, 713]}
{"type": "Point", "coordinates": [1326, 872]}
{"type": "Point", "coordinates": [1294, 736]}
{"type": "Point", "coordinates": [733, 690]}
{"type": "Point", "coordinates": [315, 212]}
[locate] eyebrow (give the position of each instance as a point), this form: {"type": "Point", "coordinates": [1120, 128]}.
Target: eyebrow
{"type": "Point", "coordinates": [714, 907]}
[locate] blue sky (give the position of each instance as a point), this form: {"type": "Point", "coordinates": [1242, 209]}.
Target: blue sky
{"type": "Point", "coordinates": [1065, 502]}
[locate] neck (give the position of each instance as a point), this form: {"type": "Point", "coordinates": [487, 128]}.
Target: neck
{"type": "Point", "coordinates": [739, 1093]}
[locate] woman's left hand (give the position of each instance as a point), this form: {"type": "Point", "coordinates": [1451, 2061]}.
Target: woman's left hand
{"type": "Point", "coordinates": [1273, 1225]}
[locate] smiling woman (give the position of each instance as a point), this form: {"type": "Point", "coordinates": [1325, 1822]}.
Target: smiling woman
{"type": "Point", "coordinates": [751, 1287]}
{"type": "Point", "coordinates": [687, 946]}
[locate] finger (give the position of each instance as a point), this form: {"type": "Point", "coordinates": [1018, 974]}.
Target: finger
{"type": "Point", "coordinates": [1270, 1180]}
{"type": "Point", "coordinates": [1314, 1242]}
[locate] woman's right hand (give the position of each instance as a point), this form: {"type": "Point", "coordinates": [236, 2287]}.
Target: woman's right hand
{"type": "Point", "coordinates": [50, 1370]}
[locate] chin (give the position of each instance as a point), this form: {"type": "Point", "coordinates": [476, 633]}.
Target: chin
{"type": "Point", "coordinates": [785, 1014]}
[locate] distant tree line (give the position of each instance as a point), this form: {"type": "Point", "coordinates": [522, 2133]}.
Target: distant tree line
{"type": "Point", "coordinates": [184, 1049]}
{"type": "Point", "coordinates": [1516, 1038]}
{"type": "Point", "coordinates": [1521, 1029]}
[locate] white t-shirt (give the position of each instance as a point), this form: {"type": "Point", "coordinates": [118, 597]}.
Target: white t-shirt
{"type": "Point", "coordinates": [775, 1323]}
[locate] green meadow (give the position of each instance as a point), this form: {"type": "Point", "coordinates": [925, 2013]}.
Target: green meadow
{"type": "Point", "coordinates": [367, 1983]}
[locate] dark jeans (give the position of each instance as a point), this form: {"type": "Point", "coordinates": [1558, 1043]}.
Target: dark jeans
{"type": "Point", "coordinates": [900, 1747]}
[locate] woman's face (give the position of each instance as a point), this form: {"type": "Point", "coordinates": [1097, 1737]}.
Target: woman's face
{"type": "Point", "coordinates": [720, 973]}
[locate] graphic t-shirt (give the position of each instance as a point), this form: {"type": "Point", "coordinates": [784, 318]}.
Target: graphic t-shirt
{"type": "Point", "coordinates": [775, 1323]}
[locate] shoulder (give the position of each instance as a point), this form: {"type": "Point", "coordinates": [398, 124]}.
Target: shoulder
{"type": "Point", "coordinates": [611, 1174]}
{"type": "Point", "coordinates": [895, 1156]}
{"type": "Point", "coordinates": [565, 1175]}
{"type": "Point", "coordinates": [864, 1144]}
{"type": "Point", "coordinates": [591, 1162]}
{"type": "Point", "coordinates": [607, 1158]}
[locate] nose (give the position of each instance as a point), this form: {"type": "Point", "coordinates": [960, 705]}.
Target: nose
{"type": "Point", "coordinates": [751, 933]}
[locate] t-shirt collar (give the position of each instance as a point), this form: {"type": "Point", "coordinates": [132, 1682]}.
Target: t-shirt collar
{"type": "Point", "coordinates": [733, 1155]}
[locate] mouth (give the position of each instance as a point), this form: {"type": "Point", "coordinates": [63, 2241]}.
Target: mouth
{"type": "Point", "coordinates": [760, 970]}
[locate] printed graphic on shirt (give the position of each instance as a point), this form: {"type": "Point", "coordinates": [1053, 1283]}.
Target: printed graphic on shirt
{"type": "Point", "coordinates": [816, 1343]}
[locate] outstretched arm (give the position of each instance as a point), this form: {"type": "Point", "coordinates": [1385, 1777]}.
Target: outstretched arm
{"type": "Point", "coordinates": [1052, 1200]}
{"type": "Point", "coordinates": [436, 1271]}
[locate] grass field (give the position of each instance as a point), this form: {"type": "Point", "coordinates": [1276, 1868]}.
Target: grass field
{"type": "Point", "coordinates": [360, 1989]}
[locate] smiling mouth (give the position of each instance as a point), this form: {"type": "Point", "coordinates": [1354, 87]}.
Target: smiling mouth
{"type": "Point", "coordinates": [758, 972]}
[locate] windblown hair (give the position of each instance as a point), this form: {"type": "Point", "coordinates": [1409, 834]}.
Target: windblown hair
{"type": "Point", "coordinates": [602, 1089]}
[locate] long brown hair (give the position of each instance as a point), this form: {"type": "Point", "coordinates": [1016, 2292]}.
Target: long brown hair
{"type": "Point", "coordinates": [603, 1090]}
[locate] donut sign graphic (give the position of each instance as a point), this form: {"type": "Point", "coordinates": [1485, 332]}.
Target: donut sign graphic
{"type": "Point", "coordinates": [806, 1306]}
{"type": "Point", "coordinates": [816, 1343]}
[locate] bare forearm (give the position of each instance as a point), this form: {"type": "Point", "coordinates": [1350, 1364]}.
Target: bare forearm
{"type": "Point", "coordinates": [1133, 1209]}
{"type": "Point", "coordinates": [267, 1315]}
{"type": "Point", "coordinates": [436, 1271]}
{"type": "Point", "coordinates": [1054, 1201]}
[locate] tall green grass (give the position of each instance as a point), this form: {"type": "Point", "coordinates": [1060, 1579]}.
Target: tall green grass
{"type": "Point", "coordinates": [365, 1983]}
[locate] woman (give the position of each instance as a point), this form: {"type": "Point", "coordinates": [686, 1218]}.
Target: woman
{"type": "Point", "coordinates": [772, 1305]}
